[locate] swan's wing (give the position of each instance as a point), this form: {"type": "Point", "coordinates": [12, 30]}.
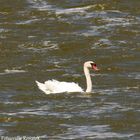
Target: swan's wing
{"type": "Point", "coordinates": [54, 86]}
{"type": "Point", "coordinates": [59, 87]}
{"type": "Point", "coordinates": [70, 87]}
{"type": "Point", "coordinates": [42, 87]}
{"type": "Point", "coordinates": [50, 86]}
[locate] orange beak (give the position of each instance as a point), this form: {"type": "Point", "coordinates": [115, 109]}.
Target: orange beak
{"type": "Point", "coordinates": [94, 67]}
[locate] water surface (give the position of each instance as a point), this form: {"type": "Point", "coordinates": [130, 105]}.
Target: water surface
{"type": "Point", "coordinates": [45, 39]}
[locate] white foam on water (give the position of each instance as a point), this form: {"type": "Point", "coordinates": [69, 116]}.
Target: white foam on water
{"type": "Point", "coordinates": [7, 71]}
{"type": "Point", "coordinates": [25, 112]}
{"type": "Point", "coordinates": [12, 71]}
{"type": "Point", "coordinates": [12, 103]}
{"type": "Point", "coordinates": [73, 10]}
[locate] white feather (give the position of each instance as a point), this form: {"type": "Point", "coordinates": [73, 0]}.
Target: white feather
{"type": "Point", "coordinates": [54, 86]}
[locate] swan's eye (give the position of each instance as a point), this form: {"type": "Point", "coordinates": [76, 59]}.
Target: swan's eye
{"type": "Point", "coordinates": [93, 64]}
{"type": "Point", "coordinates": [94, 67]}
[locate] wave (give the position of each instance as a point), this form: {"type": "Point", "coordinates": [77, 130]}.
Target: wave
{"type": "Point", "coordinates": [30, 21]}
{"type": "Point", "coordinates": [12, 71]}
{"type": "Point", "coordinates": [2, 132]}
{"type": "Point", "coordinates": [42, 5]}
{"type": "Point", "coordinates": [74, 10]}
{"type": "Point", "coordinates": [39, 46]}
{"type": "Point", "coordinates": [135, 75]}
{"type": "Point", "coordinates": [39, 4]}
{"type": "Point", "coordinates": [117, 90]}
{"type": "Point", "coordinates": [91, 132]}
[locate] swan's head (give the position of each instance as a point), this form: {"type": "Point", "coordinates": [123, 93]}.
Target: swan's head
{"type": "Point", "coordinates": [91, 64]}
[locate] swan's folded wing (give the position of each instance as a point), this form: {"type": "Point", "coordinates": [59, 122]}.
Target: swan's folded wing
{"type": "Point", "coordinates": [58, 87]}
{"type": "Point", "coordinates": [54, 86]}
{"type": "Point", "coordinates": [42, 87]}
{"type": "Point", "coordinates": [71, 87]}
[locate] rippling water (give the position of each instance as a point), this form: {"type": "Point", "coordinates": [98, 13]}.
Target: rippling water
{"type": "Point", "coordinates": [50, 39]}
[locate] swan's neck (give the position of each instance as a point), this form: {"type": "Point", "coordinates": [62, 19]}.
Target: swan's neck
{"type": "Point", "coordinates": [88, 80]}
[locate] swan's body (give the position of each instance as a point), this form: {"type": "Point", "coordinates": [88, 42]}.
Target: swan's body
{"type": "Point", "coordinates": [54, 86]}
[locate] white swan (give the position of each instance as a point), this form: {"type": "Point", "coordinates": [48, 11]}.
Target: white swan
{"type": "Point", "coordinates": [54, 86]}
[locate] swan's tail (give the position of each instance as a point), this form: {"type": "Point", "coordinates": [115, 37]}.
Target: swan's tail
{"type": "Point", "coordinates": [41, 86]}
